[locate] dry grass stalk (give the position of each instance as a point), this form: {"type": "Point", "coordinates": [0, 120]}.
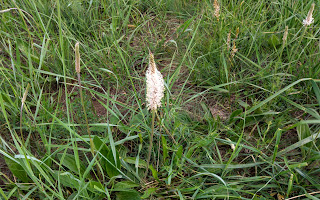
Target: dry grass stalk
{"type": "Point", "coordinates": [237, 32]}
{"type": "Point", "coordinates": [234, 49]}
{"type": "Point", "coordinates": [216, 9]}
{"type": "Point", "coordinates": [228, 40]}
{"type": "Point", "coordinates": [285, 35]}
{"type": "Point", "coordinates": [77, 54]}
{"type": "Point", "coordinates": [25, 94]}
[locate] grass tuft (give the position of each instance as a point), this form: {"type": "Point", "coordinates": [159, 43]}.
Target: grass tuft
{"type": "Point", "coordinates": [239, 117]}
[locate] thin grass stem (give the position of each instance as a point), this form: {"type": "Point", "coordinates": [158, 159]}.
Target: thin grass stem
{"type": "Point", "coordinates": [150, 141]}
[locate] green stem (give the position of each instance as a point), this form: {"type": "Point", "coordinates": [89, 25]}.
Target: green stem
{"type": "Point", "coordinates": [21, 109]}
{"type": "Point", "coordinates": [150, 143]}
{"type": "Point", "coordinates": [85, 114]}
{"type": "Point", "coordinates": [88, 128]}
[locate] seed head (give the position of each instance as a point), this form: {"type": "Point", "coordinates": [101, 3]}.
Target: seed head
{"type": "Point", "coordinates": [228, 40]}
{"type": "Point", "coordinates": [216, 9]}
{"type": "Point", "coordinates": [285, 35]}
{"type": "Point", "coordinates": [77, 54]}
{"type": "Point", "coordinates": [237, 32]}
{"type": "Point", "coordinates": [155, 85]}
{"type": "Point", "coordinates": [25, 94]}
{"type": "Point", "coordinates": [309, 19]}
{"type": "Point", "coordinates": [234, 49]}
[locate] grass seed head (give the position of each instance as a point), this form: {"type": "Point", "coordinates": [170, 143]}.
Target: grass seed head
{"type": "Point", "coordinates": [228, 40]}
{"type": "Point", "coordinates": [77, 54]}
{"type": "Point", "coordinates": [25, 94]}
{"type": "Point", "coordinates": [309, 19]}
{"type": "Point", "coordinates": [234, 49]}
{"type": "Point", "coordinates": [237, 32]}
{"type": "Point", "coordinates": [155, 85]}
{"type": "Point", "coordinates": [216, 9]}
{"type": "Point", "coordinates": [285, 35]}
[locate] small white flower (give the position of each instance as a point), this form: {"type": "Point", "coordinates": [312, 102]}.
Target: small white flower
{"type": "Point", "coordinates": [155, 85]}
{"type": "Point", "coordinates": [231, 144]}
{"type": "Point", "coordinates": [309, 19]}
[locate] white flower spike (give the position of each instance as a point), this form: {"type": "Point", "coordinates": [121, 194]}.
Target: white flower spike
{"type": "Point", "coordinates": [309, 19]}
{"type": "Point", "coordinates": [155, 85]}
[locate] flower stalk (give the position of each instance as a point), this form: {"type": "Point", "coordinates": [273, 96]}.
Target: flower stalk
{"type": "Point", "coordinates": [155, 92]}
{"type": "Point", "coordinates": [77, 68]}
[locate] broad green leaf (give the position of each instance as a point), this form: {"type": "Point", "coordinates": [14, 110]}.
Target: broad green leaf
{"type": "Point", "coordinates": [112, 166]}
{"type": "Point", "coordinates": [107, 157]}
{"type": "Point", "coordinates": [191, 150]}
{"type": "Point", "coordinates": [234, 114]}
{"type": "Point", "coordinates": [70, 163]}
{"type": "Point", "coordinates": [138, 119]}
{"type": "Point", "coordinates": [148, 192]}
{"type": "Point", "coordinates": [124, 186]}
{"type": "Point", "coordinates": [100, 146]}
{"type": "Point", "coordinates": [95, 186]}
{"type": "Point", "coordinates": [132, 160]}
{"type": "Point", "coordinates": [66, 179]}
{"type": "Point", "coordinates": [17, 170]}
{"type": "Point", "coordinates": [103, 149]}
{"type": "Point", "coordinates": [128, 195]}
{"type": "Point", "coordinates": [164, 148]}
{"type": "Point", "coordinates": [179, 152]}
{"type": "Point", "coordinates": [154, 172]}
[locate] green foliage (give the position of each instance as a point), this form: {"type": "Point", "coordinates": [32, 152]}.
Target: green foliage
{"type": "Point", "coordinates": [240, 118]}
{"type": "Point", "coordinates": [130, 195]}
{"type": "Point", "coordinates": [110, 165]}
{"type": "Point", "coordinates": [17, 170]}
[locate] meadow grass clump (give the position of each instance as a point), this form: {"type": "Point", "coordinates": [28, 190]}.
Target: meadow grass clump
{"type": "Point", "coordinates": [237, 82]}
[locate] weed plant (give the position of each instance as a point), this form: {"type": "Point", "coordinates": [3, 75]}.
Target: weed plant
{"type": "Point", "coordinates": [239, 119]}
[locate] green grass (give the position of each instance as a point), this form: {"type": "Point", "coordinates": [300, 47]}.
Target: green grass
{"type": "Point", "coordinates": [264, 100]}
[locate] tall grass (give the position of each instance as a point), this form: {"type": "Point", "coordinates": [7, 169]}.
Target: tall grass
{"type": "Point", "coordinates": [239, 119]}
